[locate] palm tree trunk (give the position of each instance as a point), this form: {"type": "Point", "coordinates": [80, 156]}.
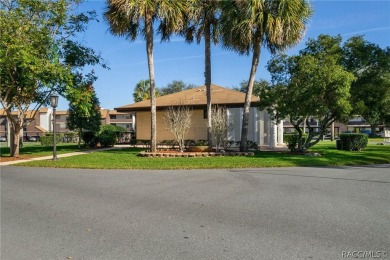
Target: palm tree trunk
{"type": "Point", "coordinates": [207, 74]}
{"type": "Point", "coordinates": [149, 51]}
{"type": "Point", "coordinates": [248, 96]}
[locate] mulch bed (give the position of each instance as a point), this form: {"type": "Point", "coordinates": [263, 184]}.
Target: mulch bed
{"type": "Point", "coordinates": [171, 154]}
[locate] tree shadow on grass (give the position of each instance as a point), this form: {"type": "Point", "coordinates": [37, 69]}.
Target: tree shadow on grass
{"type": "Point", "coordinates": [131, 150]}
{"type": "Point", "coordinates": [331, 157]}
{"type": "Point", "coordinates": [31, 150]}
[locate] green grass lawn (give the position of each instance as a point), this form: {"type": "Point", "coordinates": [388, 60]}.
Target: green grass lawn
{"type": "Point", "coordinates": [35, 149]}
{"type": "Point", "coordinates": [128, 159]}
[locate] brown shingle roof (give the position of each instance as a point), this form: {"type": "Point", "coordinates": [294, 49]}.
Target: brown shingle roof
{"type": "Point", "coordinates": [104, 113]}
{"type": "Point", "coordinates": [194, 97]}
{"type": "Point", "coordinates": [114, 112]}
{"type": "Point", "coordinates": [27, 115]}
{"type": "Point", "coordinates": [62, 112]}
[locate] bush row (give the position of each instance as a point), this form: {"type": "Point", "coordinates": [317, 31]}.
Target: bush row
{"type": "Point", "coordinates": [352, 142]}
{"type": "Point", "coordinates": [190, 143]}
{"type": "Point", "coordinates": [107, 136]}
{"type": "Point", "coordinates": [47, 140]}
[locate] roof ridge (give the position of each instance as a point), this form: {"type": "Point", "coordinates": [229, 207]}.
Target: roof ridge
{"type": "Point", "coordinates": [194, 97]}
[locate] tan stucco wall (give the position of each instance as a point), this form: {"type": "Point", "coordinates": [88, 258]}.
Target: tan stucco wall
{"type": "Point", "coordinates": [197, 131]}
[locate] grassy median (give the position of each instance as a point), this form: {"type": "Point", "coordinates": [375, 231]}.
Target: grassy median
{"type": "Point", "coordinates": [128, 159]}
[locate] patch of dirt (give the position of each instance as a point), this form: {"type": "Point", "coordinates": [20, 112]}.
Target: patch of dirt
{"type": "Point", "coordinates": [20, 157]}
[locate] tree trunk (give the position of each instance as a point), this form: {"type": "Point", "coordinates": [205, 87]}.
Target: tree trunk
{"type": "Point", "coordinates": [80, 131]}
{"type": "Point", "coordinates": [207, 74]}
{"type": "Point", "coordinates": [248, 96]}
{"type": "Point", "coordinates": [149, 51]}
{"type": "Point", "coordinates": [373, 131]}
{"type": "Point", "coordinates": [15, 142]}
{"type": "Point", "coordinates": [332, 132]}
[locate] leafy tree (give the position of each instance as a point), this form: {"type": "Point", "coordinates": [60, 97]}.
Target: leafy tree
{"type": "Point", "coordinates": [258, 86]}
{"type": "Point", "coordinates": [129, 18]}
{"type": "Point", "coordinates": [174, 87]}
{"type": "Point", "coordinates": [36, 55]}
{"type": "Point", "coordinates": [313, 84]}
{"type": "Point", "coordinates": [248, 25]}
{"type": "Point", "coordinates": [371, 91]}
{"type": "Point", "coordinates": [203, 23]}
{"type": "Point", "coordinates": [80, 119]}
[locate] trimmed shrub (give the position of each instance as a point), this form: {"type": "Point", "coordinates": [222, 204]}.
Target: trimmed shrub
{"type": "Point", "coordinates": [47, 140]}
{"type": "Point", "coordinates": [89, 138]}
{"type": "Point", "coordinates": [201, 142]}
{"type": "Point", "coordinates": [107, 138]}
{"type": "Point", "coordinates": [353, 142]}
{"type": "Point", "coordinates": [189, 142]}
{"type": "Point", "coordinates": [338, 144]}
{"type": "Point", "coordinates": [69, 137]}
{"type": "Point", "coordinates": [144, 142]}
{"type": "Point", "coordinates": [292, 141]}
{"type": "Point", "coordinates": [250, 144]}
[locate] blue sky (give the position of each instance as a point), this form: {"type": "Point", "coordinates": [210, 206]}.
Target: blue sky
{"type": "Point", "coordinates": [178, 60]}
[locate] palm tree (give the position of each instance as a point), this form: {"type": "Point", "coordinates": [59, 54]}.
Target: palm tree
{"type": "Point", "coordinates": [142, 91]}
{"type": "Point", "coordinates": [249, 25]}
{"type": "Point", "coordinates": [129, 18]}
{"type": "Point", "coordinates": [203, 22]}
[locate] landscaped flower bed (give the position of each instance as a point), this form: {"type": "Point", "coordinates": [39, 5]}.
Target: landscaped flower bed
{"type": "Point", "coordinates": [172, 154]}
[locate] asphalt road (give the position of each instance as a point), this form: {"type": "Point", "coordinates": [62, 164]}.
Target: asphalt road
{"type": "Point", "coordinates": [279, 213]}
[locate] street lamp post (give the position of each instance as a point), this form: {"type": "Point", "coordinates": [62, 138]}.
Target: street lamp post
{"type": "Point", "coordinates": [54, 103]}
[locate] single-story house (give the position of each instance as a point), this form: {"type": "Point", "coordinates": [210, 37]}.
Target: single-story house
{"type": "Point", "coordinates": [261, 129]}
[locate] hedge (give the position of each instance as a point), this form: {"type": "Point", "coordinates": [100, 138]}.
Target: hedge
{"type": "Point", "coordinates": [107, 138]}
{"type": "Point", "coordinates": [352, 142]}
{"type": "Point", "coordinates": [89, 138]}
{"type": "Point", "coordinates": [292, 140]}
{"type": "Point", "coordinates": [47, 140]}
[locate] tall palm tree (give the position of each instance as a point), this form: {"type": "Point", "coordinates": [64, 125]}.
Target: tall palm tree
{"type": "Point", "coordinates": [249, 25]}
{"type": "Point", "coordinates": [129, 18]}
{"type": "Point", "coordinates": [203, 23]}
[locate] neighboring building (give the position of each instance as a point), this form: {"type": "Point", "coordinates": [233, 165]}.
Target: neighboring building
{"type": "Point", "coordinates": [125, 120]}
{"type": "Point", "coordinates": [338, 127]}
{"type": "Point", "coordinates": [61, 116]}
{"type": "Point", "coordinates": [357, 124]}
{"type": "Point", "coordinates": [261, 129]}
{"type": "Point", "coordinates": [42, 122]}
{"type": "Point", "coordinates": [35, 126]}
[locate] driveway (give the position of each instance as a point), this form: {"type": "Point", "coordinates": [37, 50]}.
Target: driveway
{"type": "Point", "coordinates": [279, 213]}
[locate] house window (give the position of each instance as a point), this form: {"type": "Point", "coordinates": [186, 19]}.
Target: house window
{"type": "Point", "coordinates": [127, 117]}
{"type": "Point", "coordinates": [58, 117]}
{"type": "Point", "coordinates": [127, 125]}
{"type": "Point", "coordinates": [204, 113]}
{"type": "Point", "coordinates": [112, 116]}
